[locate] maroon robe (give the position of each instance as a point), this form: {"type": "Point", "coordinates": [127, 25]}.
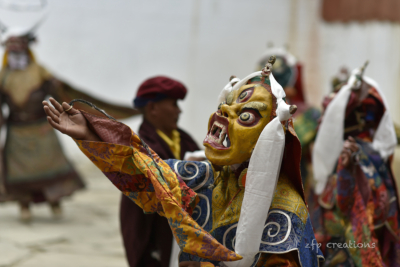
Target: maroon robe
{"type": "Point", "coordinates": [144, 233]}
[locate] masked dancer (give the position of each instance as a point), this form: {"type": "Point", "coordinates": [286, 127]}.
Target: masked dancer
{"type": "Point", "coordinates": [358, 218]}
{"type": "Point", "coordinates": [244, 206]}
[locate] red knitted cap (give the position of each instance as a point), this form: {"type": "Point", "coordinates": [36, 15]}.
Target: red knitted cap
{"type": "Point", "coordinates": [161, 85]}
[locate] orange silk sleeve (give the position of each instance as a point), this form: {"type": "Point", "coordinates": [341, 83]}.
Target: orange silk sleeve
{"type": "Point", "coordinates": [134, 173]}
{"type": "Point", "coordinates": [151, 183]}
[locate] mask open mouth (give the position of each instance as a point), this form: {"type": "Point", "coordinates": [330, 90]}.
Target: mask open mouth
{"type": "Point", "coordinates": [218, 136]}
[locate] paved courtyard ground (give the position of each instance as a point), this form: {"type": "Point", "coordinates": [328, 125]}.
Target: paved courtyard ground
{"type": "Point", "coordinates": [87, 235]}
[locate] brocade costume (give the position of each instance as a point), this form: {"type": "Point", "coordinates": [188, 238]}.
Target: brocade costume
{"type": "Point", "coordinates": [357, 219]}
{"type": "Point", "coordinates": [203, 205]}
{"type": "Point", "coordinates": [242, 207]}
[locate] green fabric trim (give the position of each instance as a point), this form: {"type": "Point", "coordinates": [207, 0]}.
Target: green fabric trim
{"type": "Point", "coordinates": [258, 79]}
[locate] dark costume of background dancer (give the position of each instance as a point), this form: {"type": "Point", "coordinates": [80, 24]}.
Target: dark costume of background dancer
{"type": "Point", "coordinates": [143, 234]}
{"type": "Point", "coordinates": [35, 168]}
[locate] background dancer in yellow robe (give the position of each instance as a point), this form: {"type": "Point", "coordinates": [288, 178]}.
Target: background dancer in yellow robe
{"type": "Point", "coordinates": [34, 168]}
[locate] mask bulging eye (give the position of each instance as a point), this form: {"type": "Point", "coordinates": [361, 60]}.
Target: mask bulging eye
{"type": "Point", "coordinates": [245, 95]}
{"type": "Point", "coordinates": [247, 118]}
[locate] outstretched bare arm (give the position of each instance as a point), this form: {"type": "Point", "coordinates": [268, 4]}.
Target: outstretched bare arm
{"type": "Point", "coordinates": [68, 121]}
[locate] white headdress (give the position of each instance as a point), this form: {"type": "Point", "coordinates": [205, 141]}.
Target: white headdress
{"type": "Point", "coordinates": [329, 141]}
{"type": "Point", "coordinates": [280, 52]}
{"type": "Point", "coordinates": [262, 174]}
{"type": "Point", "coordinates": [19, 31]}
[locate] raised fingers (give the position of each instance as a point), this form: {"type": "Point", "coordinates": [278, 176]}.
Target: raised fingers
{"type": "Point", "coordinates": [69, 109]}
{"type": "Point", "coordinates": [54, 124]}
{"type": "Point", "coordinates": [51, 114]}
{"type": "Point", "coordinates": [57, 105]}
{"type": "Point", "coordinates": [46, 104]}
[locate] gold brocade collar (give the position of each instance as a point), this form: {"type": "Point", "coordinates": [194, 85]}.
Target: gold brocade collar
{"type": "Point", "coordinates": [174, 143]}
{"type": "Point", "coordinates": [229, 191]}
{"type": "Point", "coordinates": [286, 196]}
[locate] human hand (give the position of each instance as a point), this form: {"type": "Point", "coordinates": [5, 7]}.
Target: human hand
{"type": "Point", "coordinates": [68, 121]}
{"type": "Point", "coordinates": [349, 148]}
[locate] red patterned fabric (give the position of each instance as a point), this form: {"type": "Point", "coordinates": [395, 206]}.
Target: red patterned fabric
{"type": "Point", "coordinates": [109, 131]}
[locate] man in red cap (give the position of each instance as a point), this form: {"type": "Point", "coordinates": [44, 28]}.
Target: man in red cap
{"type": "Point", "coordinates": [144, 234]}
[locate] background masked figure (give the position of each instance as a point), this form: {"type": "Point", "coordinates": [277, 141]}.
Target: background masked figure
{"type": "Point", "coordinates": [244, 206]}
{"type": "Point", "coordinates": [34, 166]}
{"type": "Point", "coordinates": [145, 233]}
{"type": "Point", "coordinates": [288, 72]}
{"type": "Point", "coordinates": [358, 215]}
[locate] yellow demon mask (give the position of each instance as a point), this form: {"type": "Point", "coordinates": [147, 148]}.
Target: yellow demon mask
{"type": "Point", "coordinates": [234, 129]}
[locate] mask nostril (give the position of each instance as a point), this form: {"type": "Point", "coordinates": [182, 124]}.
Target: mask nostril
{"type": "Point", "coordinates": [225, 114]}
